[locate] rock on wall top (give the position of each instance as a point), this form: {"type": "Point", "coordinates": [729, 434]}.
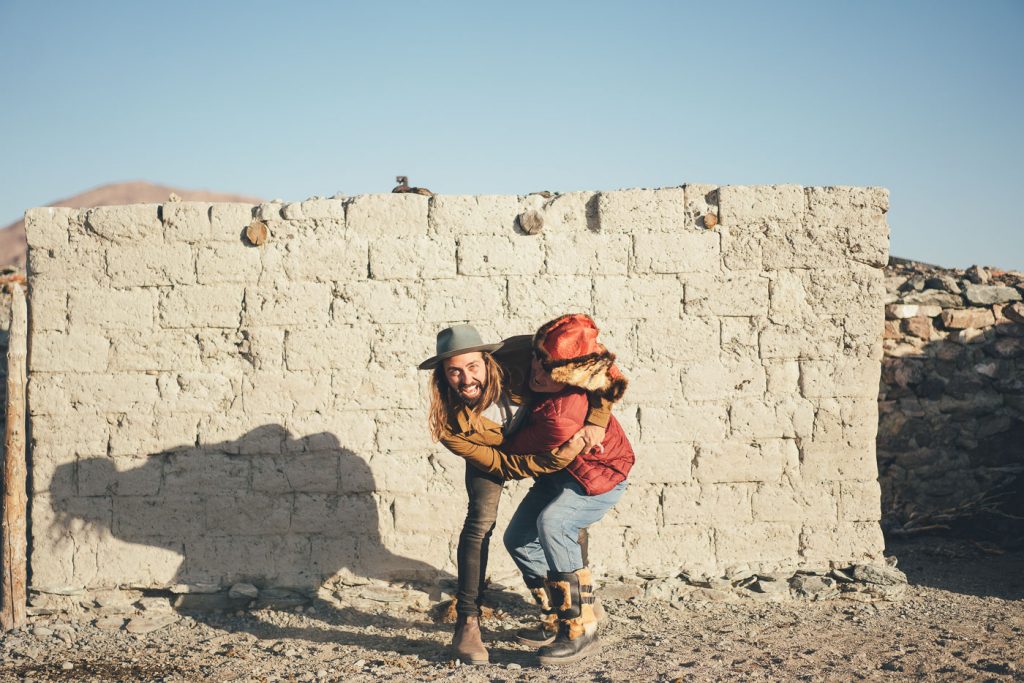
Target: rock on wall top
{"type": "Point", "coordinates": [205, 411]}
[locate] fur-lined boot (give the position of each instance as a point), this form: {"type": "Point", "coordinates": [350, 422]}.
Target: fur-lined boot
{"type": "Point", "coordinates": [572, 594]}
{"type": "Point", "coordinates": [547, 628]}
{"type": "Point", "coordinates": [584, 540]}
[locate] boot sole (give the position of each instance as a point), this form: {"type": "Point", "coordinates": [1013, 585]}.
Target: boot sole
{"type": "Point", "coordinates": [473, 662]}
{"type": "Point", "coordinates": [591, 649]}
{"type": "Point", "coordinates": [535, 643]}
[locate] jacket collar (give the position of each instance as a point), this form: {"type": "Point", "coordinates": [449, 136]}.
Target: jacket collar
{"type": "Point", "coordinates": [463, 420]}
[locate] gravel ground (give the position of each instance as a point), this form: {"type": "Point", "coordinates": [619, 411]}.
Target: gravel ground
{"type": "Point", "coordinates": [961, 619]}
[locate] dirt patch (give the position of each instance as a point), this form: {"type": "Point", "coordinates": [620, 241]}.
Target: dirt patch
{"type": "Point", "coordinates": [961, 619]}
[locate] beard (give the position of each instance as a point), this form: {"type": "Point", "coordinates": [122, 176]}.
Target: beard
{"type": "Point", "coordinates": [470, 393]}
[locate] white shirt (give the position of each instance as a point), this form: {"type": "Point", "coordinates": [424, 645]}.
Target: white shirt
{"type": "Point", "coordinates": [503, 412]}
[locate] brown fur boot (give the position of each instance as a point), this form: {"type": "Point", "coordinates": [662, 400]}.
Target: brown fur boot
{"type": "Point", "coordinates": [584, 541]}
{"type": "Point", "coordinates": [467, 644]}
{"type": "Point", "coordinates": [547, 628]}
{"type": "Point", "coordinates": [572, 594]}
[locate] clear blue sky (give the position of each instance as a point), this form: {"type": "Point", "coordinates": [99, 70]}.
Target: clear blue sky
{"type": "Point", "coordinates": [294, 99]}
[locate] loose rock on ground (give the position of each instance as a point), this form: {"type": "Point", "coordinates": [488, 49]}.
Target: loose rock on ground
{"type": "Point", "coordinates": [962, 618]}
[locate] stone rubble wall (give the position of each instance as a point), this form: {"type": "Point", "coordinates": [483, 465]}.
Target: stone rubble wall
{"type": "Point", "coordinates": [951, 427]}
{"type": "Point", "coordinates": [205, 412]}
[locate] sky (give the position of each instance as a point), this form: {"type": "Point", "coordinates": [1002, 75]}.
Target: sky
{"type": "Point", "coordinates": [289, 100]}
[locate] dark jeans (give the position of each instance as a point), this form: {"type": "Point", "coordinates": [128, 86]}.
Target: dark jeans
{"type": "Point", "coordinates": [484, 492]}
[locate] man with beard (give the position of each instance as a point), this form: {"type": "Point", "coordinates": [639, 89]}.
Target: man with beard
{"type": "Point", "coordinates": [475, 393]}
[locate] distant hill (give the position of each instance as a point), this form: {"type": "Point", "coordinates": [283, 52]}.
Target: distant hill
{"type": "Point", "coordinates": [13, 247]}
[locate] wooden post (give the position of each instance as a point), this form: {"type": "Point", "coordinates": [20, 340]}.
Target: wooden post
{"type": "Point", "coordinates": [14, 541]}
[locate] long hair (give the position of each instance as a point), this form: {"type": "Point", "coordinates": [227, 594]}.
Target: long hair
{"type": "Point", "coordinates": [444, 400]}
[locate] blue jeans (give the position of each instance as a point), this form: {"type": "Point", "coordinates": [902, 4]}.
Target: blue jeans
{"type": "Point", "coordinates": [544, 532]}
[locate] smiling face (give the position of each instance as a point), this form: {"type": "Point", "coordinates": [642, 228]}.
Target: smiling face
{"type": "Point", "coordinates": [540, 379]}
{"type": "Point", "coordinates": [467, 376]}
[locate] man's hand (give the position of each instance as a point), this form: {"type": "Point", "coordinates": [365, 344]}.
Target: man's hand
{"type": "Point", "coordinates": [568, 451]}
{"type": "Point", "coordinates": [592, 436]}
{"type": "Point", "coordinates": [579, 443]}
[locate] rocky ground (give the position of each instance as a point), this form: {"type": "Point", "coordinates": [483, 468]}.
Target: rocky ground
{"type": "Point", "coordinates": [962, 618]}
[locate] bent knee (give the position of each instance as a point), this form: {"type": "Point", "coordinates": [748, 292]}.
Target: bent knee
{"type": "Point", "coordinates": [512, 539]}
{"type": "Point", "coordinates": [516, 537]}
{"type": "Point", "coordinates": [478, 526]}
{"type": "Point", "coordinates": [482, 513]}
{"type": "Point", "coordinates": [551, 526]}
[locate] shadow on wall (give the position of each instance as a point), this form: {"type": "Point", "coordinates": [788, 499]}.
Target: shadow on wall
{"type": "Point", "coordinates": [951, 424]}
{"type": "Point", "coordinates": [267, 509]}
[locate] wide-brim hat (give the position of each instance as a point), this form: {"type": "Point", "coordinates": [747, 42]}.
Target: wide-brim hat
{"type": "Point", "coordinates": [568, 349]}
{"type": "Point", "coordinates": [455, 341]}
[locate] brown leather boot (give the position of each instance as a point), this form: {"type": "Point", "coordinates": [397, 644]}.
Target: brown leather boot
{"type": "Point", "coordinates": [467, 644]}
{"type": "Point", "coordinates": [572, 594]}
{"type": "Point", "coordinates": [544, 632]}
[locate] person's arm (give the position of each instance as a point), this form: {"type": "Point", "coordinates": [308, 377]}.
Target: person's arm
{"type": "Point", "coordinates": [599, 412]}
{"type": "Point", "coordinates": [553, 431]}
{"type": "Point", "coordinates": [548, 427]}
{"type": "Point", "coordinates": [493, 460]}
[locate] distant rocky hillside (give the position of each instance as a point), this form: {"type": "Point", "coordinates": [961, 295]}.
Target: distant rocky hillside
{"type": "Point", "coordinates": [12, 238]}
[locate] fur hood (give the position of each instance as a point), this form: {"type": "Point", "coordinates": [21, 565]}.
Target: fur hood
{"type": "Point", "coordinates": [567, 347]}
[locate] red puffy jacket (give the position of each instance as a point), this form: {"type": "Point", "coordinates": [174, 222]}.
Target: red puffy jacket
{"type": "Point", "coordinates": [554, 420]}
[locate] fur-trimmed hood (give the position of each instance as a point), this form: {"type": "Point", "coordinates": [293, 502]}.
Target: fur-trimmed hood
{"type": "Point", "coordinates": [567, 347]}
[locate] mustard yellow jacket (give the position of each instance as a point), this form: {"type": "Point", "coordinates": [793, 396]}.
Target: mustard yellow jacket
{"type": "Point", "coordinates": [478, 439]}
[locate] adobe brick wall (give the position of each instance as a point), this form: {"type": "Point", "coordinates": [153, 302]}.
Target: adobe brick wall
{"type": "Point", "coordinates": [205, 411]}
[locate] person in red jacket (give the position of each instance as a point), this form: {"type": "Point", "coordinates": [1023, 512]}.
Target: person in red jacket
{"type": "Point", "coordinates": [476, 392]}
{"type": "Point", "coordinates": [543, 535]}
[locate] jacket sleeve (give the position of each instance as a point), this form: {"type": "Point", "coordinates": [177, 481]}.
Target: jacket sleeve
{"type": "Point", "coordinates": [599, 411]}
{"type": "Point", "coordinates": [494, 461]}
{"type": "Point", "coordinates": [544, 431]}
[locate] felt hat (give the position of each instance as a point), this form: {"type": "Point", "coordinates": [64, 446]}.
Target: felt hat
{"type": "Point", "coordinates": [456, 340]}
{"type": "Point", "coordinates": [568, 349]}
